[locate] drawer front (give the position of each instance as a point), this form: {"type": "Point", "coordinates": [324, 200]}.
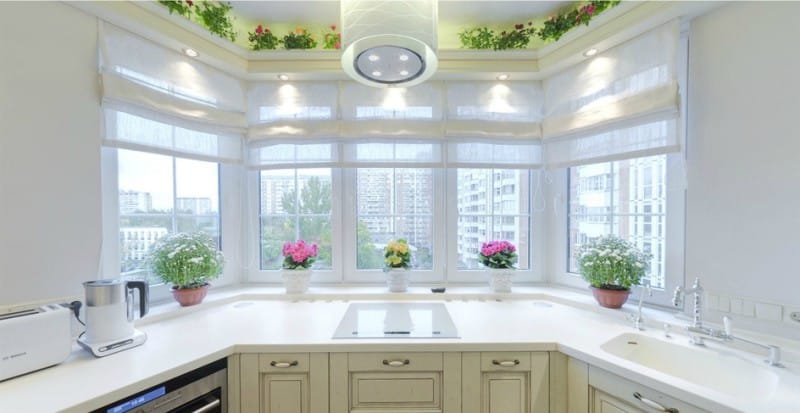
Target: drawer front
{"type": "Point", "coordinates": [283, 363]}
{"type": "Point", "coordinates": [624, 390]}
{"type": "Point", "coordinates": [395, 362]}
{"type": "Point", "coordinates": [505, 361]}
{"type": "Point", "coordinates": [390, 391]}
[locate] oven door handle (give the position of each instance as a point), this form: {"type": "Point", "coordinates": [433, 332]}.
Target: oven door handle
{"type": "Point", "coordinates": [207, 408]}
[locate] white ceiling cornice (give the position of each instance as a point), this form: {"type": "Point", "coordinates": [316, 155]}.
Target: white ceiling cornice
{"type": "Point", "coordinates": [616, 25]}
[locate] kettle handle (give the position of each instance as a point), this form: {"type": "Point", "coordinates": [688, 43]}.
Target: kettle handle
{"type": "Point", "coordinates": [144, 295]}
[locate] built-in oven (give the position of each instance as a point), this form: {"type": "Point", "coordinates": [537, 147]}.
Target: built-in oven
{"type": "Point", "coordinates": [203, 390]}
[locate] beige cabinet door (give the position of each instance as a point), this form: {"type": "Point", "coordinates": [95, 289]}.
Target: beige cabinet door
{"type": "Point", "coordinates": [284, 383]}
{"type": "Point", "coordinates": [505, 382]}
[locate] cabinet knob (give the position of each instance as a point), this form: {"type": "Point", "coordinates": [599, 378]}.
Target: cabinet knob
{"type": "Point", "coordinates": [283, 364]}
{"type": "Point", "coordinates": [505, 363]}
{"type": "Point", "coordinates": [396, 363]}
{"type": "Point", "coordinates": [654, 405]}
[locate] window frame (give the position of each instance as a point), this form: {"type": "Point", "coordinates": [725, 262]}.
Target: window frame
{"type": "Point", "coordinates": [253, 270]}
{"type": "Point", "coordinates": [352, 274]}
{"type": "Point", "coordinates": [674, 221]}
{"type": "Point", "coordinates": [230, 221]}
{"type": "Point", "coordinates": [344, 215]}
{"type": "Point", "coordinates": [534, 271]}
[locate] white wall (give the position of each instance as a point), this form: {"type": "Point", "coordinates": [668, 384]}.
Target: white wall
{"type": "Point", "coordinates": [743, 207]}
{"type": "Point", "coordinates": [50, 223]}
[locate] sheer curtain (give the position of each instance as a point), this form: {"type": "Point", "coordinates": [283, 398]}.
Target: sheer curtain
{"type": "Point", "coordinates": [157, 99]}
{"type": "Point", "coordinates": [619, 104]}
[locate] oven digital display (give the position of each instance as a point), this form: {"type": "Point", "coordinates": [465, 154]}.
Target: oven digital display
{"type": "Point", "coordinates": [138, 400]}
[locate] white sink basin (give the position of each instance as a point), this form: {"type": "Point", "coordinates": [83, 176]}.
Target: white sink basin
{"type": "Point", "coordinates": [718, 370]}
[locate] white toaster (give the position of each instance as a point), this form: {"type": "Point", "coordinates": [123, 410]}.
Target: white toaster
{"type": "Point", "coordinates": [34, 339]}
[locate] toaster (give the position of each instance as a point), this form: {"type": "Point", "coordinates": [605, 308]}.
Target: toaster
{"type": "Point", "coordinates": [34, 339]}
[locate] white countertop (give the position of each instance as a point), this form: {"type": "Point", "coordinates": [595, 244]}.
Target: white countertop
{"type": "Point", "coordinates": [250, 320]}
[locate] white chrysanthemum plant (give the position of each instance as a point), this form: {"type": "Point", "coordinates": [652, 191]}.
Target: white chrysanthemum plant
{"type": "Point", "coordinates": [186, 260]}
{"type": "Point", "coordinates": [612, 263]}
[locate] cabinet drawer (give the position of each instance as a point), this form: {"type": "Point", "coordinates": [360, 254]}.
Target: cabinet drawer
{"type": "Point", "coordinates": [624, 390]}
{"type": "Point", "coordinates": [505, 361]}
{"type": "Point", "coordinates": [283, 363]}
{"type": "Point", "coordinates": [390, 391]}
{"type": "Point", "coordinates": [395, 361]}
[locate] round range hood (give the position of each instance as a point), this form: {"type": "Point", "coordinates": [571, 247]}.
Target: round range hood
{"type": "Point", "coordinates": [389, 42]}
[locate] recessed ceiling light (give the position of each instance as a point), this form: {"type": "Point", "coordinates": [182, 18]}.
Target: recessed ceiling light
{"type": "Point", "coordinates": [404, 73]}
{"type": "Point", "coordinates": [190, 52]}
{"type": "Point", "coordinates": [403, 57]}
{"type": "Point", "coordinates": [373, 58]}
{"type": "Point", "coordinates": [376, 73]}
{"type": "Point", "coordinates": [283, 76]}
{"type": "Point", "coordinates": [502, 76]}
{"type": "Point", "coordinates": [590, 52]}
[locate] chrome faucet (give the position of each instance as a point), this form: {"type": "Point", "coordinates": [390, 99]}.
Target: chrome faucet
{"type": "Point", "coordinates": [638, 321]}
{"type": "Point", "coordinates": [697, 319]}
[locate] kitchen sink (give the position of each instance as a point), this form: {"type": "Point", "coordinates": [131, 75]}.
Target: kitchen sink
{"type": "Point", "coordinates": [719, 370]}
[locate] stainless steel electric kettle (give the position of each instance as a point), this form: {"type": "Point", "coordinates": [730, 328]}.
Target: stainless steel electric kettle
{"type": "Point", "coordinates": [110, 314]}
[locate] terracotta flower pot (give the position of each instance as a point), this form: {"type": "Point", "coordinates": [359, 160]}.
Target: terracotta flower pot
{"type": "Point", "coordinates": [610, 298]}
{"type": "Point", "coordinates": [189, 296]}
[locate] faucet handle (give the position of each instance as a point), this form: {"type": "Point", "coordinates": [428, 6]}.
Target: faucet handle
{"type": "Point", "coordinates": [727, 324]}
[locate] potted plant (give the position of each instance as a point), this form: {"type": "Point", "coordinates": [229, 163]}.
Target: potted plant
{"type": "Point", "coordinates": [397, 256]}
{"type": "Point", "coordinates": [297, 261]}
{"type": "Point", "coordinates": [188, 261]}
{"type": "Point", "coordinates": [612, 265]}
{"type": "Point", "coordinates": [499, 257]}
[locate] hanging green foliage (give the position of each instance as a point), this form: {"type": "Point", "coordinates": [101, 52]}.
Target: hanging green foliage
{"type": "Point", "coordinates": [519, 38]}
{"type": "Point", "coordinates": [215, 17]}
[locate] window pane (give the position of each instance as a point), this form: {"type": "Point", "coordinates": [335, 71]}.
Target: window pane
{"type": "Point", "coordinates": [158, 195]}
{"type": "Point", "coordinates": [196, 187]}
{"type": "Point", "coordinates": [626, 198]}
{"type": "Point", "coordinates": [493, 204]}
{"type": "Point", "coordinates": [275, 231]}
{"type": "Point", "coordinates": [394, 203]}
{"type": "Point", "coordinates": [295, 204]}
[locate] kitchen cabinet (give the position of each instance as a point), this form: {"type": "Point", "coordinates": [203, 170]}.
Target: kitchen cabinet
{"type": "Point", "coordinates": [505, 382]}
{"type": "Point", "coordinates": [610, 393]}
{"type": "Point", "coordinates": [428, 382]}
{"type": "Point", "coordinates": [569, 384]}
{"type": "Point", "coordinates": [283, 383]}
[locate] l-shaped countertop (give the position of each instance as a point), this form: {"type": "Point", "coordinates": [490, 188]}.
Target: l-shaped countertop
{"type": "Point", "coordinates": [261, 320]}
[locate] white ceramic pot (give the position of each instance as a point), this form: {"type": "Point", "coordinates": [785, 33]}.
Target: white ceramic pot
{"type": "Point", "coordinates": [397, 280]}
{"type": "Point", "coordinates": [296, 281]}
{"type": "Point", "coordinates": [500, 279]}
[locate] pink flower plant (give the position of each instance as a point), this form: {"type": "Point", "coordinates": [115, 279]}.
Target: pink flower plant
{"type": "Point", "coordinates": [298, 255]}
{"type": "Point", "coordinates": [498, 254]}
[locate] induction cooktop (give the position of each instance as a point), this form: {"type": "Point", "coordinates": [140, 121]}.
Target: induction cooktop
{"type": "Point", "coordinates": [396, 320]}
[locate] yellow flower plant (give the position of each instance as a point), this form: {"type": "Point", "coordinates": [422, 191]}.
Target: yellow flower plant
{"type": "Point", "coordinates": [397, 254]}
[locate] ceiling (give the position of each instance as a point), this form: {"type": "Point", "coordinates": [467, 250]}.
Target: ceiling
{"type": "Point", "coordinates": [451, 12]}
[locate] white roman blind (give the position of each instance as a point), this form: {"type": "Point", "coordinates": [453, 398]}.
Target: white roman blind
{"type": "Point", "coordinates": [159, 100]}
{"type": "Point", "coordinates": [619, 104]}
{"type": "Point", "coordinates": [494, 124]}
{"type": "Point", "coordinates": [291, 111]}
{"type": "Point", "coordinates": [369, 112]}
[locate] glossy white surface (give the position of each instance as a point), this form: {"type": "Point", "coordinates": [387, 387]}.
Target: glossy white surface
{"type": "Point", "coordinates": [396, 320]}
{"type": "Point", "coordinates": [260, 320]}
{"type": "Point", "coordinates": [720, 370]}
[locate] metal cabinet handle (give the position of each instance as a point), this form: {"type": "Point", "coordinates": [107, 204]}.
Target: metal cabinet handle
{"type": "Point", "coordinates": [283, 364]}
{"type": "Point", "coordinates": [653, 405]}
{"type": "Point", "coordinates": [396, 363]}
{"type": "Point", "coordinates": [505, 363]}
{"type": "Point", "coordinates": [207, 408]}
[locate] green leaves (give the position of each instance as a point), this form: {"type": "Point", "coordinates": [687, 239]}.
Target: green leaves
{"type": "Point", "coordinates": [612, 263]}
{"type": "Point", "coordinates": [215, 17]}
{"type": "Point", "coordinates": [186, 260]}
{"type": "Point", "coordinates": [519, 38]}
